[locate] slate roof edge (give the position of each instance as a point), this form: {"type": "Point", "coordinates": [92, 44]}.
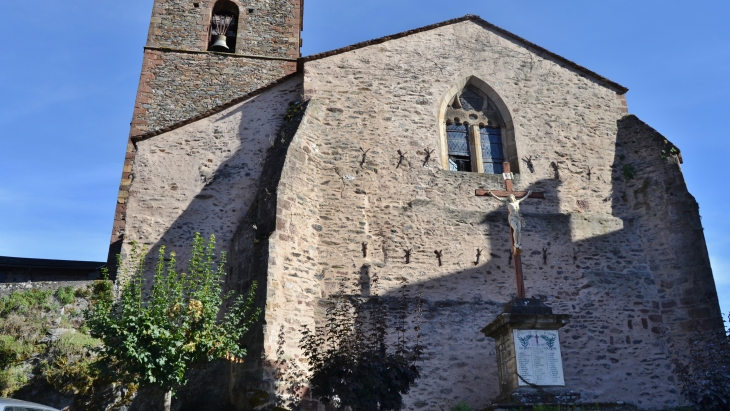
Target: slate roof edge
{"type": "Point", "coordinates": [471, 17]}
{"type": "Point", "coordinates": [215, 110]}
{"type": "Point", "coordinates": [48, 263]}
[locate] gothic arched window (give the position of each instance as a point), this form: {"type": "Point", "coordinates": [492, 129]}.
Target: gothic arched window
{"type": "Point", "coordinates": [223, 27]}
{"type": "Point", "coordinates": [457, 138]}
{"type": "Point", "coordinates": [477, 137]}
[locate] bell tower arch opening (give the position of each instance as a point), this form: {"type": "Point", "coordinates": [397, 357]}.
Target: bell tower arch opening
{"type": "Point", "coordinates": [476, 130]}
{"type": "Point", "coordinates": [223, 29]}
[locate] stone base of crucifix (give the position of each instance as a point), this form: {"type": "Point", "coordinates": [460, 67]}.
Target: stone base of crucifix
{"type": "Point", "coordinates": [529, 362]}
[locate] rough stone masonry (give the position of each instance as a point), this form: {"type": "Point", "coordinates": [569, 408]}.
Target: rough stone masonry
{"type": "Point", "coordinates": [617, 242]}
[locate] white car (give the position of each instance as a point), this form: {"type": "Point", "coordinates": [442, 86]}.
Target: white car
{"type": "Point", "coordinates": [9, 404]}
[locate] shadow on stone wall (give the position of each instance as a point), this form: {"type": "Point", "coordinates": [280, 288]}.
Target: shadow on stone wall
{"type": "Point", "coordinates": [636, 281]}
{"type": "Point", "coordinates": [630, 279]}
{"type": "Point", "coordinates": [212, 386]}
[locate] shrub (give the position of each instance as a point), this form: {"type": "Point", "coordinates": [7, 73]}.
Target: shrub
{"type": "Point", "coordinates": [101, 290]}
{"type": "Point", "coordinates": [703, 370]}
{"type": "Point", "coordinates": [12, 379]}
{"type": "Point", "coordinates": [153, 338]}
{"type": "Point", "coordinates": [66, 363]}
{"type": "Point", "coordinates": [21, 302]}
{"type": "Point", "coordinates": [65, 295]}
{"type": "Point", "coordinates": [349, 358]}
{"type": "Point", "coordinates": [71, 368]}
{"type": "Point", "coordinates": [13, 350]}
{"type": "Point", "coordinates": [26, 328]}
{"type": "Point", "coordinates": [83, 292]}
{"type": "Point", "coordinates": [73, 344]}
{"type": "Point", "coordinates": [461, 406]}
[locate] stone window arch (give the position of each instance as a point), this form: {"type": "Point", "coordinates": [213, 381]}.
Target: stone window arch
{"type": "Point", "coordinates": [223, 28]}
{"type": "Point", "coordinates": [477, 134]}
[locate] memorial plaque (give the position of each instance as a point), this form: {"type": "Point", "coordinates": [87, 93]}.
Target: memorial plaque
{"type": "Point", "coordinates": [538, 357]}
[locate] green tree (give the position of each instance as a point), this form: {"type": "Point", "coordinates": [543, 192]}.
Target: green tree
{"type": "Point", "coordinates": [153, 333]}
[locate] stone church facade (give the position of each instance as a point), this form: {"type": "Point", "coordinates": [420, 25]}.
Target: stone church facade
{"type": "Point", "coordinates": [396, 136]}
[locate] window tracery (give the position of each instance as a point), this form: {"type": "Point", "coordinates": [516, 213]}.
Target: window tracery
{"type": "Point", "coordinates": [476, 133]}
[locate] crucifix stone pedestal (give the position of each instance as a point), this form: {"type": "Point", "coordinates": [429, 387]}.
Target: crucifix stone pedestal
{"type": "Point", "coordinates": [529, 362]}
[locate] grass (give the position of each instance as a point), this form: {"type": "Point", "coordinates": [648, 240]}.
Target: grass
{"type": "Point", "coordinates": [70, 368]}
{"type": "Point", "coordinates": [13, 350]}
{"type": "Point", "coordinates": [66, 295]}
{"type": "Point", "coordinates": [461, 406]}
{"type": "Point", "coordinates": [13, 378]}
{"type": "Point", "coordinates": [25, 319]}
{"type": "Point", "coordinates": [74, 344]}
{"type": "Point", "coordinates": [22, 301]}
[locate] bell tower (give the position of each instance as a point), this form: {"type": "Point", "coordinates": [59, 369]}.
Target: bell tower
{"type": "Point", "coordinates": [201, 54]}
{"type": "Point", "coordinates": [190, 66]}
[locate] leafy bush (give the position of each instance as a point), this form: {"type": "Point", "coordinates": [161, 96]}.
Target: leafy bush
{"type": "Point", "coordinates": [152, 339]}
{"type": "Point", "coordinates": [83, 292]}
{"type": "Point", "coordinates": [101, 289]}
{"type": "Point", "coordinates": [11, 379]}
{"type": "Point", "coordinates": [65, 295]}
{"type": "Point", "coordinates": [461, 406]}
{"type": "Point", "coordinates": [13, 350]}
{"type": "Point", "coordinates": [705, 374]}
{"type": "Point", "coordinates": [22, 302]}
{"type": "Point", "coordinates": [349, 358]}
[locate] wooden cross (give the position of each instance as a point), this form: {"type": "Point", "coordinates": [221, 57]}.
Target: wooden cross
{"type": "Point", "coordinates": [517, 252]}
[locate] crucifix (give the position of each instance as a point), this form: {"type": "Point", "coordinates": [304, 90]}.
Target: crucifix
{"type": "Point", "coordinates": [516, 222]}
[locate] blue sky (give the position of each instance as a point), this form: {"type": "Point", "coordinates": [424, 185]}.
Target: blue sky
{"type": "Point", "coordinates": [69, 73]}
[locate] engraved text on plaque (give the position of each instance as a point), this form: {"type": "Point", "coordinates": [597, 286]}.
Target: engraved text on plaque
{"type": "Point", "coordinates": [538, 357]}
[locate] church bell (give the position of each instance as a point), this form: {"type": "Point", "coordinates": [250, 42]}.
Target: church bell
{"type": "Point", "coordinates": [220, 43]}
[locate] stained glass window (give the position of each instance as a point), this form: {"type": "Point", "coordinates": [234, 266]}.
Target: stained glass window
{"type": "Point", "coordinates": [469, 107]}
{"type": "Point", "coordinates": [458, 142]}
{"type": "Point", "coordinates": [470, 99]}
{"type": "Point", "coordinates": [492, 150]}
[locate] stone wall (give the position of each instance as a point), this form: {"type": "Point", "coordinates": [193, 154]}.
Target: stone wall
{"type": "Point", "coordinates": [265, 28]}
{"type": "Point", "coordinates": [181, 80]}
{"type": "Point", "coordinates": [295, 209]}
{"type": "Point", "coordinates": [651, 189]}
{"type": "Point", "coordinates": [178, 86]}
{"type": "Point", "coordinates": [203, 176]}
{"type": "Point", "coordinates": [586, 254]}
{"type": "Point", "coordinates": [276, 245]}
{"type": "Point", "coordinates": [10, 288]}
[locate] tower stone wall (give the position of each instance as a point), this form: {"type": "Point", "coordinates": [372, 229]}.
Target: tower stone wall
{"type": "Point", "coordinates": [181, 80]}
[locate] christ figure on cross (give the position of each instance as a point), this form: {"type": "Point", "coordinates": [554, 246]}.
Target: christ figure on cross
{"type": "Point", "coordinates": [516, 222]}
{"type": "Point", "coordinates": [515, 218]}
